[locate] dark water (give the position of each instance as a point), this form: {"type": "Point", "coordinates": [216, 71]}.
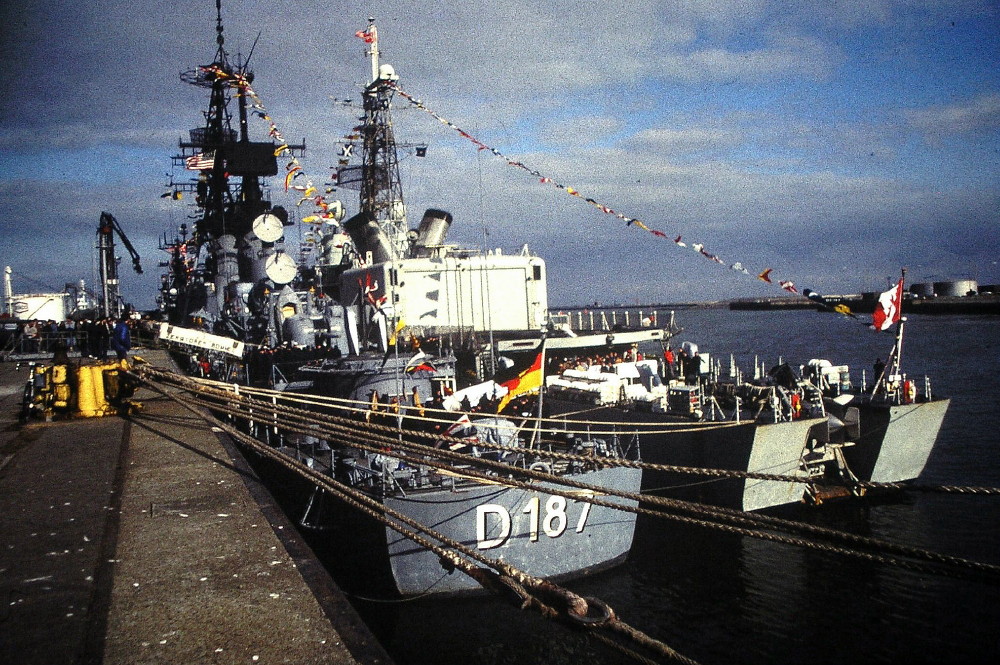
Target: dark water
{"type": "Point", "coordinates": [722, 598]}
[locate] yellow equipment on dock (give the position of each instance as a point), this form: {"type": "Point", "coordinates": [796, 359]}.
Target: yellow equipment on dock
{"type": "Point", "coordinates": [83, 391]}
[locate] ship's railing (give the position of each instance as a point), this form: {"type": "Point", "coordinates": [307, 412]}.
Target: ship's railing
{"type": "Point", "coordinates": [608, 319]}
{"type": "Point", "coordinates": [44, 344]}
{"type": "Point", "coordinates": [77, 342]}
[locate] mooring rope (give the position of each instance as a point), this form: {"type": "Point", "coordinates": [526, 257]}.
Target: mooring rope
{"type": "Point", "coordinates": [738, 521]}
{"type": "Point", "coordinates": [550, 600]}
{"type": "Point", "coordinates": [361, 408]}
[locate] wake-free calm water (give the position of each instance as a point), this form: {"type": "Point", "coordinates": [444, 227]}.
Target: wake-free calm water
{"type": "Point", "coordinates": [722, 598]}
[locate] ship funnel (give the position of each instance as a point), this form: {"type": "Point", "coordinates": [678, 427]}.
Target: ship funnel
{"type": "Point", "coordinates": [368, 237]}
{"type": "Point", "coordinates": [433, 229]}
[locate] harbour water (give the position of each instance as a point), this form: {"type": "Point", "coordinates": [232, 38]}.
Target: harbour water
{"type": "Point", "coordinates": [722, 598]}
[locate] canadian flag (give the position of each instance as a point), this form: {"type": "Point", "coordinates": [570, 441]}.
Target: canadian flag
{"type": "Point", "coordinates": [888, 309]}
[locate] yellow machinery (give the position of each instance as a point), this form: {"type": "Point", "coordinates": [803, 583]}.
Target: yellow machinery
{"type": "Point", "coordinates": [85, 391]}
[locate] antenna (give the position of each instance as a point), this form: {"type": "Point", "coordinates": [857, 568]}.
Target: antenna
{"type": "Point", "coordinates": [246, 63]}
{"type": "Point", "coordinates": [220, 40]}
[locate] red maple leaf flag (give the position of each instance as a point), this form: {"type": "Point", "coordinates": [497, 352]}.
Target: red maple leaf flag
{"type": "Point", "coordinates": [887, 311]}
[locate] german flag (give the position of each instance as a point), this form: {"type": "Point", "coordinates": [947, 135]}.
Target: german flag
{"type": "Point", "coordinates": [527, 380]}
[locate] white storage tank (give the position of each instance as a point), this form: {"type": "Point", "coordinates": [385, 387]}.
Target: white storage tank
{"type": "Point", "coordinates": [958, 287]}
{"type": "Point", "coordinates": [922, 289]}
{"type": "Point", "coordinates": [39, 306]}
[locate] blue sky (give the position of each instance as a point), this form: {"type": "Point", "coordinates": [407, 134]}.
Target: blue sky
{"type": "Point", "coordinates": [834, 142]}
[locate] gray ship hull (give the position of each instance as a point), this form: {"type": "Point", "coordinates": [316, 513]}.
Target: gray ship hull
{"type": "Point", "coordinates": [542, 534]}
{"type": "Point", "coordinates": [773, 448]}
{"type": "Point", "coordinates": [895, 441]}
{"type": "Point", "coordinates": [777, 448]}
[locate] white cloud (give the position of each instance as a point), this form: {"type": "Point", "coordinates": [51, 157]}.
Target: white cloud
{"type": "Point", "coordinates": [742, 124]}
{"type": "Point", "coordinates": [783, 56]}
{"type": "Point", "coordinates": [979, 113]}
{"type": "Point", "coordinates": [693, 139]}
{"type": "Point", "coordinates": [580, 130]}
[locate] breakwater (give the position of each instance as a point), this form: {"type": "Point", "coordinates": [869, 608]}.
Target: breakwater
{"type": "Point", "coordinates": [865, 303]}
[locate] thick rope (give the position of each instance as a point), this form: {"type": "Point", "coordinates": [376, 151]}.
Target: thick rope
{"type": "Point", "coordinates": [371, 440]}
{"type": "Point", "coordinates": [532, 592]}
{"type": "Point", "coordinates": [637, 428]}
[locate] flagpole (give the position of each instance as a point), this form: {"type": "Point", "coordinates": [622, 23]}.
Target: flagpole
{"type": "Point", "coordinates": [541, 391]}
{"type": "Point", "coordinates": [373, 53]}
{"type": "Point", "coordinates": [892, 367]}
{"type": "Point", "coordinates": [898, 349]}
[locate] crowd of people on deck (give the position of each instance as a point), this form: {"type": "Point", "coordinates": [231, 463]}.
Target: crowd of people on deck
{"type": "Point", "coordinates": [605, 361]}
{"type": "Point", "coordinates": [683, 364]}
{"type": "Point", "coordinates": [91, 338]}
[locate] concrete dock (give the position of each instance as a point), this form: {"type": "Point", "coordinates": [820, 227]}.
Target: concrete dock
{"type": "Point", "coordinates": [148, 539]}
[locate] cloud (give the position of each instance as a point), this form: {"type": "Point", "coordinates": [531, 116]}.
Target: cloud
{"type": "Point", "coordinates": [977, 114]}
{"type": "Point", "coordinates": [580, 130]}
{"type": "Point", "coordinates": [779, 135]}
{"type": "Point", "coordinates": [693, 139]}
{"type": "Point", "coordinates": [786, 55]}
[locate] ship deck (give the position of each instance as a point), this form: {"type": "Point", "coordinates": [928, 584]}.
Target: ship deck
{"type": "Point", "coordinates": [148, 539]}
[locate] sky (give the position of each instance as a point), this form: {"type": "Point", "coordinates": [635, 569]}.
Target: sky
{"type": "Point", "coordinates": [834, 142]}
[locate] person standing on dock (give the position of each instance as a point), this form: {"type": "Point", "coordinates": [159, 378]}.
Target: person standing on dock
{"type": "Point", "coordinates": [121, 339]}
{"type": "Point", "coordinates": [31, 336]}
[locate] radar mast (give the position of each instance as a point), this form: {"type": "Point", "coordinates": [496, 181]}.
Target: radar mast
{"type": "Point", "coordinates": [381, 186]}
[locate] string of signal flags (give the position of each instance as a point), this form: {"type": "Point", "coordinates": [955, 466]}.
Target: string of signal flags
{"type": "Point", "coordinates": [326, 211]}
{"type": "Point", "coordinates": [765, 275]}
{"type": "Point", "coordinates": [295, 177]}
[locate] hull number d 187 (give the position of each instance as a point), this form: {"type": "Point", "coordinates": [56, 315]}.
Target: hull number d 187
{"type": "Point", "coordinates": [495, 521]}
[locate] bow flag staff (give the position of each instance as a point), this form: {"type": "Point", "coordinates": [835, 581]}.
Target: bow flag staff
{"type": "Point", "coordinates": [888, 311]}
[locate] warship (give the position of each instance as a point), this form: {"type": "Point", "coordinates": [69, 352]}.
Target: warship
{"type": "Point", "coordinates": [820, 435]}
{"type": "Point", "coordinates": [370, 328]}
{"type": "Point", "coordinates": [392, 321]}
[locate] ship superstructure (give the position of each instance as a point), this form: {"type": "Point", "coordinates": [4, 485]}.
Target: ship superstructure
{"type": "Point", "coordinates": [235, 242]}
{"type": "Point", "coordinates": [418, 282]}
{"type": "Point", "coordinates": [371, 278]}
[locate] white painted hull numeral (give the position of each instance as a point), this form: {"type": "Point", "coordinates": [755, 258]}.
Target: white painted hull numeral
{"type": "Point", "coordinates": [502, 518]}
{"type": "Point", "coordinates": [532, 511]}
{"type": "Point", "coordinates": [494, 525]}
{"type": "Point", "coordinates": [585, 513]}
{"type": "Point", "coordinates": [555, 516]}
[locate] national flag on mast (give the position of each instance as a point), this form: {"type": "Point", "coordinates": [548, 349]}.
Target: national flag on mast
{"type": "Point", "coordinates": [369, 35]}
{"type": "Point", "coordinates": [888, 309]}
{"type": "Point", "coordinates": [200, 161]}
{"type": "Point", "coordinates": [526, 381]}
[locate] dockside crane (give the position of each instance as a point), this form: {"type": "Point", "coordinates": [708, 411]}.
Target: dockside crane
{"type": "Point", "coordinates": [111, 305]}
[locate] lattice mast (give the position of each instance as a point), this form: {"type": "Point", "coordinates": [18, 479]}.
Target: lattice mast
{"type": "Point", "coordinates": [225, 153]}
{"type": "Point", "coordinates": [212, 189]}
{"type": "Point", "coordinates": [381, 186]}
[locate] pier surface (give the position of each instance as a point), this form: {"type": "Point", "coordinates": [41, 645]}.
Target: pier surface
{"type": "Point", "coordinates": [148, 539]}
